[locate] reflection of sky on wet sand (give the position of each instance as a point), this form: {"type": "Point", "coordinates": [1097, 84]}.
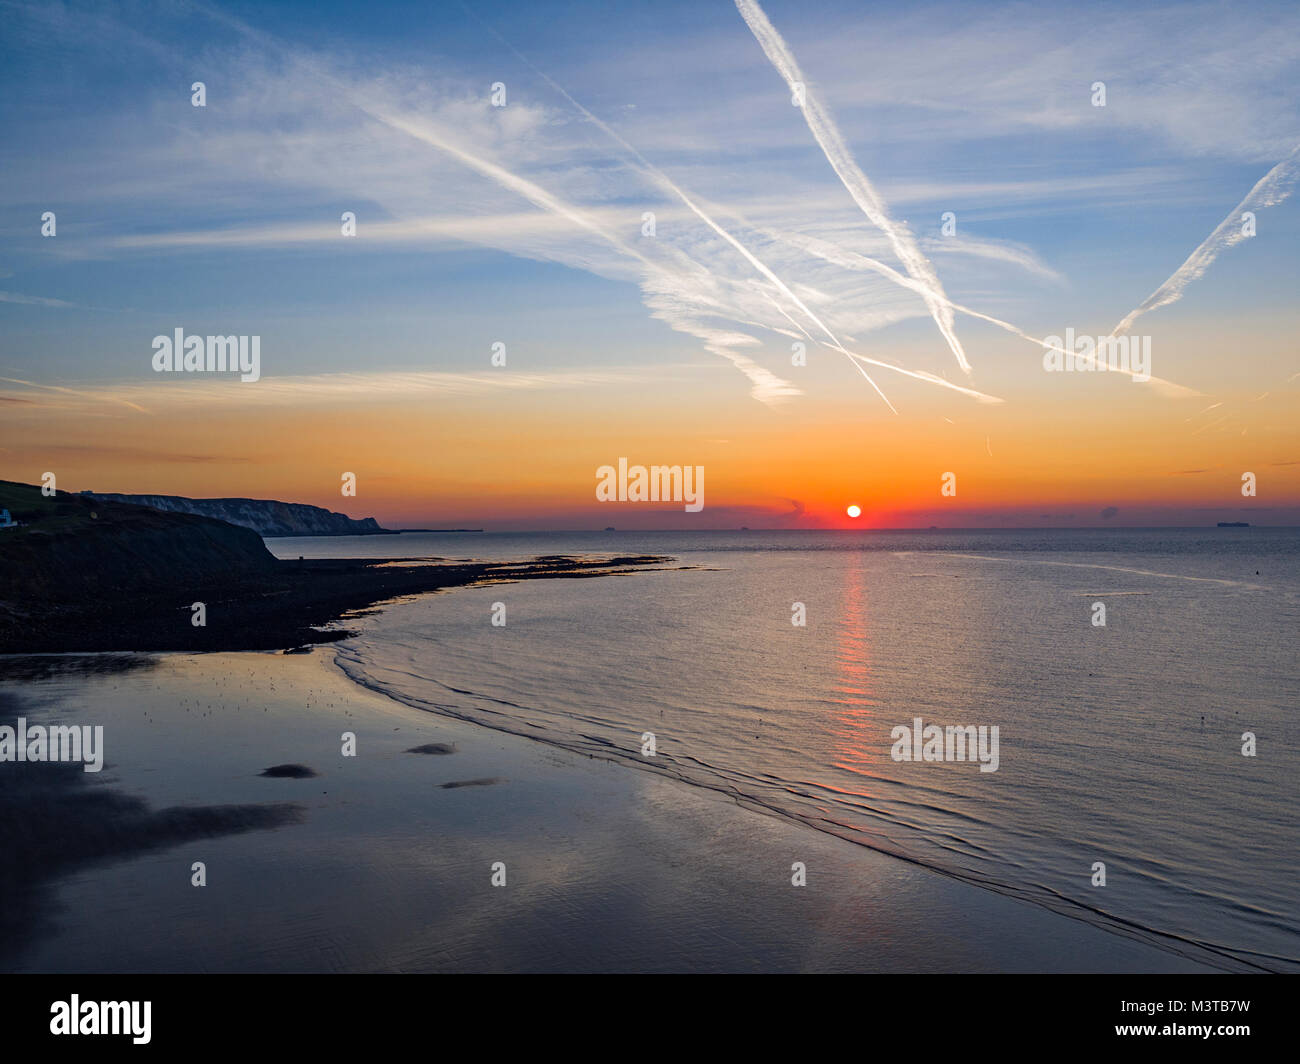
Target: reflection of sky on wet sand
{"type": "Point", "coordinates": [57, 821]}
{"type": "Point", "coordinates": [387, 869]}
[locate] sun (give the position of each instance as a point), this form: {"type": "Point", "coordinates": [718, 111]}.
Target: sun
{"type": "Point", "coordinates": [854, 511]}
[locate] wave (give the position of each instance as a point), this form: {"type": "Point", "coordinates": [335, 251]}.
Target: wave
{"type": "Point", "coordinates": [746, 790]}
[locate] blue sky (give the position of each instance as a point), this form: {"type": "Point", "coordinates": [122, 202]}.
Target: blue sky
{"type": "Point", "coordinates": [522, 223]}
{"type": "Point", "coordinates": [945, 107]}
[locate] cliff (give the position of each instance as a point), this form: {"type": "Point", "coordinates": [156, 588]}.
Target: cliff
{"type": "Point", "coordinates": [266, 517]}
{"type": "Point", "coordinates": [80, 574]}
{"type": "Point", "coordinates": [73, 547]}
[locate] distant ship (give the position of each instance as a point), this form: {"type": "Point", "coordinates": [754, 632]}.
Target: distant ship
{"type": "Point", "coordinates": [1234, 524]}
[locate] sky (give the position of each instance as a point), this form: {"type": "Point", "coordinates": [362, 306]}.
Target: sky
{"type": "Point", "coordinates": [814, 248]}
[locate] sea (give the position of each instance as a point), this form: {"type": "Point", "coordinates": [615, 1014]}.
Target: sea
{"type": "Point", "coordinates": [1146, 777]}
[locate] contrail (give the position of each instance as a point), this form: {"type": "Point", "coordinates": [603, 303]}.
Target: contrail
{"type": "Point", "coordinates": [1228, 416]}
{"type": "Point", "coordinates": [1212, 406]}
{"type": "Point", "coordinates": [765, 383]}
{"type": "Point", "coordinates": [921, 375]}
{"type": "Point", "coordinates": [672, 188]}
{"type": "Point", "coordinates": [666, 183]}
{"type": "Point", "coordinates": [531, 191]}
{"type": "Point", "coordinates": [1271, 189]}
{"type": "Point", "coordinates": [850, 174]}
{"type": "Point", "coordinates": [426, 133]}
{"type": "Point", "coordinates": [767, 386]}
{"type": "Point", "coordinates": [852, 260]}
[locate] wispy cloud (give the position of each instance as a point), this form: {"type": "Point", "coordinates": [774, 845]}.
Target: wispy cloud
{"type": "Point", "coordinates": [92, 394]}
{"type": "Point", "coordinates": [167, 391]}
{"type": "Point", "coordinates": [757, 245]}
{"type": "Point", "coordinates": [770, 388]}
{"type": "Point", "coordinates": [35, 301]}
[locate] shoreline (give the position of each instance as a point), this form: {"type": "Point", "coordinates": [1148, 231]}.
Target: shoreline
{"type": "Point", "coordinates": [1187, 950]}
{"type": "Point", "coordinates": [382, 862]}
{"type": "Point", "coordinates": [293, 604]}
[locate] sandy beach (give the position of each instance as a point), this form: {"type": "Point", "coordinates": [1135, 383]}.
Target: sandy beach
{"type": "Point", "coordinates": [384, 861]}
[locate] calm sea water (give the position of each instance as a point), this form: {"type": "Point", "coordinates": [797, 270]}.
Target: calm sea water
{"type": "Point", "coordinates": [1120, 745]}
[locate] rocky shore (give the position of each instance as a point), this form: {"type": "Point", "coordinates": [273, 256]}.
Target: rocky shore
{"type": "Point", "coordinates": [84, 574]}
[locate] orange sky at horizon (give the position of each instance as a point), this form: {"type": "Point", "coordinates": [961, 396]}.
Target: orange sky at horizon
{"type": "Point", "coordinates": [527, 458]}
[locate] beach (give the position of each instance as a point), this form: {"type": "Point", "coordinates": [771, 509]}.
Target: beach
{"type": "Point", "coordinates": [384, 861]}
{"type": "Point", "coordinates": [755, 487]}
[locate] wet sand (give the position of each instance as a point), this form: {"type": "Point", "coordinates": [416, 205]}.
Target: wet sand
{"type": "Point", "coordinates": [384, 861]}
